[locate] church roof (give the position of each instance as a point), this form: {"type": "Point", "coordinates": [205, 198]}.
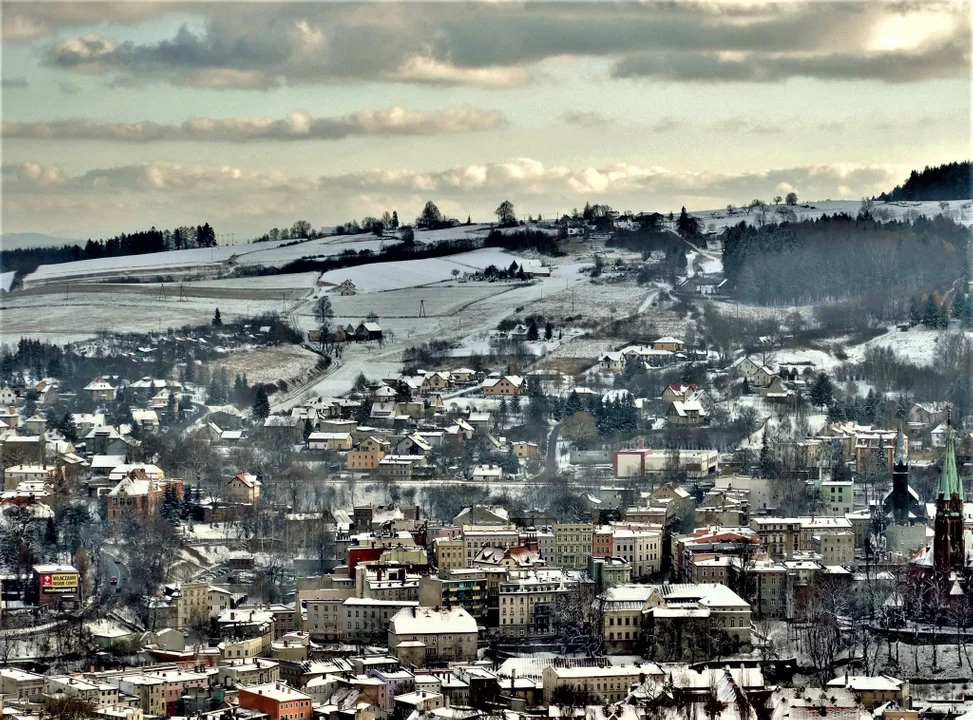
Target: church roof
{"type": "Point", "coordinates": [949, 482]}
{"type": "Point", "coordinates": [900, 456]}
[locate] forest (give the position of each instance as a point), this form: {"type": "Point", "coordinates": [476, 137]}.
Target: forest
{"type": "Point", "coordinates": [950, 181]}
{"type": "Point", "coordinates": [840, 257]}
{"type": "Point", "coordinates": [26, 260]}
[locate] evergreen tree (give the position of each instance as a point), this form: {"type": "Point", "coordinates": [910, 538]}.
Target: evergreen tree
{"type": "Point", "coordinates": [217, 319]}
{"type": "Point", "coordinates": [171, 408]}
{"type": "Point", "coordinates": [822, 390]}
{"type": "Point", "coordinates": [515, 403]}
{"type": "Point", "coordinates": [548, 330]}
{"type": "Point", "coordinates": [573, 404]}
{"type": "Point", "coordinates": [943, 320]}
{"type": "Point", "coordinates": [915, 312]}
{"type": "Point", "coordinates": [767, 466]}
{"type": "Point", "coordinates": [261, 405]}
{"type": "Point", "coordinates": [930, 316]}
{"type": "Point", "coordinates": [745, 389]}
{"type": "Point", "coordinates": [395, 220]}
{"type": "Point", "coordinates": [308, 429]}
{"type": "Point", "coordinates": [502, 411]}
{"type": "Point", "coordinates": [532, 333]}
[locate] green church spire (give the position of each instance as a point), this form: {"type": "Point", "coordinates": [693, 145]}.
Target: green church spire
{"type": "Point", "coordinates": [949, 481]}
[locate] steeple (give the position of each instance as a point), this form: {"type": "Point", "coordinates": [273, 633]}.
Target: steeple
{"type": "Point", "coordinates": [900, 457]}
{"type": "Point", "coordinates": [948, 551]}
{"type": "Point", "coordinates": [949, 482]}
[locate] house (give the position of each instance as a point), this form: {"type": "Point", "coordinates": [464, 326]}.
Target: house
{"type": "Point", "coordinates": [147, 420]}
{"type": "Point", "coordinates": [777, 391]}
{"type": "Point", "coordinates": [7, 396]}
{"type": "Point", "coordinates": [139, 493]}
{"type": "Point", "coordinates": [690, 412]}
{"type": "Point", "coordinates": [438, 380]}
{"type": "Point", "coordinates": [928, 414]}
{"type": "Point", "coordinates": [101, 390]}
{"type": "Point", "coordinates": [412, 445]}
{"type": "Point", "coordinates": [368, 331]}
{"type": "Point", "coordinates": [753, 372]}
{"type": "Point", "coordinates": [487, 474]}
{"type": "Point", "coordinates": [678, 392]}
{"type": "Point", "coordinates": [669, 343]}
{"type": "Point", "coordinates": [347, 287]}
{"type": "Point", "coordinates": [243, 488]}
{"type": "Point", "coordinates": [506, 385]}
{"type": "Point", "coordinates": [612, 362]}
{"type": "Point", "coordinates": [335, 441]}
{"type": "Point", "coordinates": [437, 635]}
{"type": "Point", "coordinates": [938, 435]}
{"type": "Point", "coordinates": [463, 375]}
{"type": "Point", "coordinates": [368, 454]}
{"type": "Point", "coordinates": [525, 450]}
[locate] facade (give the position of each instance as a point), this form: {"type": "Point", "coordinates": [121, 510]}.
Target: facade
{"type": "Point", "coordinates": [527, 603]}
{"type": "Point", "coordinates": [447, 634]}
{"type": "Point", "coordinates": [277, 700]}
{"type": "Point", "coordinates": [572, 544]}
{"type": "Point", "coordinates": [243, 488]}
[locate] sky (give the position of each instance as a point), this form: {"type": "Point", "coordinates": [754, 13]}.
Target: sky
{"type": "Point", "coordinates": [122, 116]}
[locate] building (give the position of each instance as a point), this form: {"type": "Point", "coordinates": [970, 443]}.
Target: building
{"type": "Point", "coordinates": [505, 385]}
{"type": "Point", "coordinates": [527, 603]}
{"type": "Point", "coordinates": [138, 492]}
{"type": "Point", "coordinates": [277, 700]}
{"type": "Point", "coordinates": [367, 455]}
{"type": "Point", "coordinates": [837, 497]}
{"type": "Point", "coordinates": [639, 462]}
{"type": "Point", "coordinates": [17, 684]}
{"type": "Point", "coordinates": [442, 634]}
{"type": "Point", "coordinates": [243, 488]}
{"type": "Point", "coordinates": [572, 544]}
{"type": "Point", "coordinates": [101, 391]}
{"type": "Point", "coordinates": [602, 684]}
{"type": "Point", "coordinates": [336, 442]}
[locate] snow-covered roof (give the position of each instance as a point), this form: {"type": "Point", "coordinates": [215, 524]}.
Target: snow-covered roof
{"type": "Point", "coordinates": [432, 621]}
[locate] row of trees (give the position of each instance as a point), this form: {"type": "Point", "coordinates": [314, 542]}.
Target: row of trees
{"type": "Point", "coordinates": [26, 260]}
{"type": "Point", "coordinates": [951, 181]}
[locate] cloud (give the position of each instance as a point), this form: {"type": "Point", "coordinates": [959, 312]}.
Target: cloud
{"type": "Point", "coordinates": [586, 119]}
{"type": "Point", "coordinates": [14, 83]}
{"type": "Point", "coordinates": [66, 87]}
{"type": "Point", "coordinates": [298, 125]}
{"type": "Point", "coordinates": [498, 45]}
{"type": "Point", "coordinates": [42, 196]}
{"type": "Point", "coordinates": [950, 60]}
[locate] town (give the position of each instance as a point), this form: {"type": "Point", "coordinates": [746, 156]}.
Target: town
{"type": "Point", "coordinates": [486, 360]}
{"type": "Point", "coordinates": [684, 524]}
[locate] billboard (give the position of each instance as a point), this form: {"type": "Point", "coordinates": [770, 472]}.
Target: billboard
{"type": "Point", "coordinates": [59, 583]}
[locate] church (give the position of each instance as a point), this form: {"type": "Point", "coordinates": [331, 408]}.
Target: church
{"type": "Point", "coordinates": [948, 564]}
{"type": "Point", "coordinates": [905, 513]}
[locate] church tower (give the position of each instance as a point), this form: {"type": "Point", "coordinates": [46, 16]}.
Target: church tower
{"type": "Point", "coordinates": [900, 501]}
{"type": "Point", "coordinates": [948, 551]}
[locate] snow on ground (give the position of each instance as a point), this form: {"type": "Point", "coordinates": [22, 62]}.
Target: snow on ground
{"type": "Point", "coordinates": [917, 345]}
{"type": "Point", "coordinates": [61, 319]}
{"type": "Point", "coordinates": [270, 364]}
{"type": "Point", "coordinates": [960, 210]}
{"type": "Point", "coordinates": [821, 359]}
{"type": "Point", "coordinates": [6, 280]}
{"type": "Point", "coordinates": [261, 282]}
{"type": "Point", "coordinates": [276, 255]}
{"type": "Point", "coordinates": [480, 313]}
{"type": "Point", "coordinates": [376, 277]}
{"type": "Point", "coordinates": [155, 263]}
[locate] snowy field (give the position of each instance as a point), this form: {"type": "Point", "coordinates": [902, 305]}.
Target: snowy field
{"type": "Point", "coordinates": [6, 280]}
{"type": "Point", "coordinates": [917, 345]}
{"type": "Point", "coordinates": [960, 210]}
{"type": "Point", "coordinates": [60, 319]}
{"type": "Point", "coordinates": [156, 263]}
{"type": "Point", "coordinates": [377, 277]}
